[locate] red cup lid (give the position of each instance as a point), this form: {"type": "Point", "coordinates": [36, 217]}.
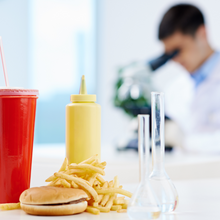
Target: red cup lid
{"type": "Point", "coordinates": [18, 91]}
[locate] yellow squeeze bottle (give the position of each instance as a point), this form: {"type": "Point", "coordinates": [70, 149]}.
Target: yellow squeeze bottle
{"type": "Point", "coordinates": [83, 126]}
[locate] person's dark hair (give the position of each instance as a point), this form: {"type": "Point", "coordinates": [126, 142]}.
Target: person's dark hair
{"type": "Point", "coordinates": [184, 18]}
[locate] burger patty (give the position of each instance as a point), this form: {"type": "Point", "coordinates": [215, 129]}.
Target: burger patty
{"type": "Point", "coordinates": [67, 203]}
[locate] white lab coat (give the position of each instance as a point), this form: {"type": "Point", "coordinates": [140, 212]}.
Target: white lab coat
{"type": "Point", "coordinates": [204, 132]}
{"type": "Point", "coordinates": [197, 111]}
{"type": "Point", "coordinates": [205, 106]}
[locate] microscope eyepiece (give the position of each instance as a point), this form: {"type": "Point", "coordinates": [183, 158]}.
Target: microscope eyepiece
{"type": "Point", "coordinates": [160, 61]}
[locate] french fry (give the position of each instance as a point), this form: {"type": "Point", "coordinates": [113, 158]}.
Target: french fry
{"type": "Point", "coordinates": [97, 164]}
{"type": "Point", "coordinates": [104, 200]}
{"type": "Point", "coordinates": [100, 179]}
{"type": "Point", "coordinates": [57, 182]}
{"type": "Point", "coordinates": [121, 197]}
{"type": "Point", "coordinates": [92, 179]}
{"type": "Point", "coordinates": [103, 209]}
{"type": "Point", "coordinates": [119, 201]}
{"type": "Point", "coordinates": [64, 165]}
{"type": "Point", "coordinates": [51, 178]}
{"type": "Point", "coordinates": [88, 167]}
{"type": "Point", "coordinates": [106, 197]}
{"type": "Point", "coordinates": [110, 202]}
{"type": "Point", "coordinates": [116, 207]}
{"type": "Point", "coordinates": [116, 182]}
{"type": "Point", "coordinates": [89, 160]}
{"type": "Point", "coordinates": [86, 176]}
{"type": "Point", "coordinates": [125, 205]}
{"type": "Point", "coordinates": [75, 171]}
{"type": "Point", "coordinates": [71, 178]}
{"type": "Point", "coordinates": [105, 185]}
{"type": "Point", "coordinates": [100, 166]}
{"type": "Point", "coordinates": [111, 183]}
{"type": "Point", "coordinates": [100, 198]}
{"type": "Point", "coordinates": [65, 184]}
{"type": "Point", "coordinates": [121, 210]}
{"type": "Point", "coordinates": [104, 163]}
{"type": "Point", "coordinates": [74, 185]}
{"type": "Point", "coordinates": [53, 183]}
{"type": "Point", "coordinates": [92, 203]}
{"type": "Point", "coordinates": [113, 191]}
{"type": "Point", "coordinates": [95, 204]}
{"type": "Point", "coordinates": [96, 183]}
{"type": "Point", "coordinates": [94, 162]}
{"type": "Point", "coordinates": [75, 176]}
{"type": "Point", "coordinates": [92, 210]}
{"type": "Point", "coordinates": [72, 164]}
{"type": "Point", "coordinates": [9, 206]}
{"type": "Point", "coordinates": [97, 187]}
{"type": "Point", "coordinates": [80, 182]}
{"type": "Point", "coordinates": [115, 185]}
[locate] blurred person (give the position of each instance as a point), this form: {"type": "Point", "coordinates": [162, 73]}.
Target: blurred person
{"type": "Point", "coordinates": [183, 28]}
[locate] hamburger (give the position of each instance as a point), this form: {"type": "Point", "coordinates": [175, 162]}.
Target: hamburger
{"type": "Point", "coordinates": [48, 200]}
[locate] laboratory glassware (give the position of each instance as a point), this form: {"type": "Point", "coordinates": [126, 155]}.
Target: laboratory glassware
{"type": "Point", "coordinates": [160, 181]}
{"type": "Point", "coordinates": [144, 204]}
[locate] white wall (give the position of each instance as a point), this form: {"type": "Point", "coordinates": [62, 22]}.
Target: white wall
{"type": "Point", "coordinates": [128, 32]}
{"type": "Point", "coordinates": [14, 32]}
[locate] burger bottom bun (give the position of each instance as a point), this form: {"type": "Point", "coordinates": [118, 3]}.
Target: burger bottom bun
{"type": "Point", "coordinates": [55, 210]}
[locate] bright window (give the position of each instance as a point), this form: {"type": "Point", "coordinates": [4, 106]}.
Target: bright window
{"type": "Point", "coordinates": [62, 48]}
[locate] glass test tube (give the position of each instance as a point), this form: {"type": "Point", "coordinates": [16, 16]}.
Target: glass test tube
{"type": "Point", "coordinates": [160, 181]}
{"type": "Point", "coordinates": [143, 146]}
{"type": "Point", "coordinates": [143, 204]}
{"type": "Point", "coordinates": [157, 117]}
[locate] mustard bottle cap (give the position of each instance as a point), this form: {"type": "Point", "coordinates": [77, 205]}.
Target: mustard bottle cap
{"type": "Point", "coordinates": [83, 90]}
{"type": "Point", "coordinates": [83, 96]}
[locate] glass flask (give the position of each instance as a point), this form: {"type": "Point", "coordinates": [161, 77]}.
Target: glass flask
{"type": "Point", "coordinates": [160, 181]}
{"type": "Point", "coordinates": [143, 204]}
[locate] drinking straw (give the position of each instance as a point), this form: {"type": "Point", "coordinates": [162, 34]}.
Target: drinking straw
{"type": "Point", "coordinates": [3, 63]}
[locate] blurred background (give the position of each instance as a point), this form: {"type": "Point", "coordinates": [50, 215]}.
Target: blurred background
{"type": "Point", "coordinates": [50, 44]}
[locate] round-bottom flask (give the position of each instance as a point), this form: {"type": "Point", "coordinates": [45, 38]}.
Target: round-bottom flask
{"type": "Point", "coordinates": [160, 181]}
{"type": "Point", "coordinates": [143, 204]}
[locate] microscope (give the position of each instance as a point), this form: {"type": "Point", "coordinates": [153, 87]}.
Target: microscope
{"type": "Point", "coordinates": [132, 94]}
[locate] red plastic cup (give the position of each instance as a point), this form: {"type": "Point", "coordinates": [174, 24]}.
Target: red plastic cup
{"type": "Point", "coordinates": [17, 120]}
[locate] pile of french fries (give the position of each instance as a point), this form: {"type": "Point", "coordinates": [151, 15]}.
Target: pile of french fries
{"type": "Point", "coordinates": [87, 175]}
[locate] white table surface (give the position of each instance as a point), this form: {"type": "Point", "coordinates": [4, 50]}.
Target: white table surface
{"type": "Point", "coordinates": [179, 165]}
{"type": "Point", "coordinates": [198, 198]}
